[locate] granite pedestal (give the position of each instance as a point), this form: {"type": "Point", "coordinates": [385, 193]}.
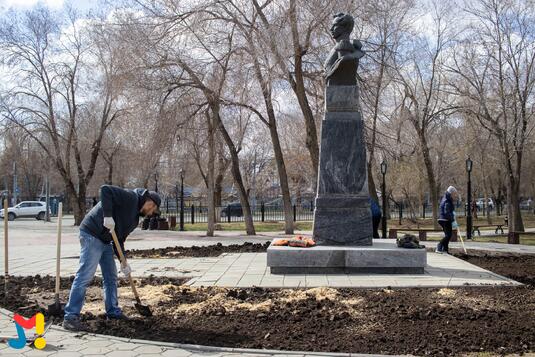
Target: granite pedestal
{"type": "Point", "coordinates": [381, 258]}
{"type": "Point", "coordinates": [342, 211]}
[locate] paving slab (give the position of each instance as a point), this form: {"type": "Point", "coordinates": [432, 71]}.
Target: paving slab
{"type": "Point", "coordinates": [442, 270]}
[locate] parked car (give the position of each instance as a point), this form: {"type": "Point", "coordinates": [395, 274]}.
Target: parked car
{"type": "Point", "coordinates": [35, 209]}
{"type": "Point", "coordinates": [481, 203]}
{"type": "Point", "coordinates": [526, 204]}
{"type": "Point", "coordinates": [235, 210]}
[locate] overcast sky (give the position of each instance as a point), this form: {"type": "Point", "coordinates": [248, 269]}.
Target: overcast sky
{"type": "Point", "coordinates": [82, 5]}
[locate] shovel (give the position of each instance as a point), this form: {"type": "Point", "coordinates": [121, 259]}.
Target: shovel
{"type": "Point", "coordinates": [56, 309]}
{"type": "Point", "coordinates": [461, 238]}
{"type": "Point", "coordinates": [143, 310]}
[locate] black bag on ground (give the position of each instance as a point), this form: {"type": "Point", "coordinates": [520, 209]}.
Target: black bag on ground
{"type": "Point", "coordinates": [409, 241]}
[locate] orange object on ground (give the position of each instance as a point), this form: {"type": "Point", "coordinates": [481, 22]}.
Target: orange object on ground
{"type": "Point", "coordinates": [301, 241]}
{"type": "Point", "coordinates": [280, 242]}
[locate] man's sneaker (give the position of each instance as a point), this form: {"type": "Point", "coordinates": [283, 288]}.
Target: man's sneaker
{"type": "Point", "coordinates": [72, 325]}
{"type": "Point", "coordinates": [121, 316]}
{"type": "Point", "coordinates": [439, 249]}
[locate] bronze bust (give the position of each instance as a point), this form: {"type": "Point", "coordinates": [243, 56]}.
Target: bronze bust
{"type": "Point", "coordinates": [342, 63]}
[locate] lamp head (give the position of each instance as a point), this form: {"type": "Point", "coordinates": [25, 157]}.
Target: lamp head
{"type": "Point", "coordinates": [469, 164]}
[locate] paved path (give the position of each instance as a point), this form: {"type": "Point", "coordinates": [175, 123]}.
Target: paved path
{"type": "Point", "coordinates": [28, 258]}
{"type": "Point", "coordinates": [249, 269]}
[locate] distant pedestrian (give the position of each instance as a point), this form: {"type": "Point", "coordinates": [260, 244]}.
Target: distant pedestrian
{"type": "Point", "coordinates": [475, 207]}
{"type": "Point", "coordinates": [447, 218]}
{"type": "Point", "coordinates": [376, 217]}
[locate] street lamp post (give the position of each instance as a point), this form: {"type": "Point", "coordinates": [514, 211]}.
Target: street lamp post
{"type": "Point", "coordinates": [181, 200]}
{"type": "Point", "coordinates": [383, 194]}
{"type": "Point", "coordinates": [469, 200]}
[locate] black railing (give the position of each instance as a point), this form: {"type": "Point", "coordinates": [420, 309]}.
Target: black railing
{"type": "Point", "coordinates": [404, 210]}
{"type": "Point", "coordinates": [234, 213]}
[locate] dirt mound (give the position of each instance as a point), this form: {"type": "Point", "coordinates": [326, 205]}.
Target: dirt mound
{"type": "Point", "coordinates": [31, 294]}
{"type": "Point", "coordinates": [196, 251]}
{"type": "Point", "coordinates": [519, 267]}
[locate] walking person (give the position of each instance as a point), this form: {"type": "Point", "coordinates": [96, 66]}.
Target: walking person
{"type": "Point", "coordinates": [447, 218]}
{"type": "Point", "coordinates": [376, 216]}
{"type": "Point", "coordinates": [119, 209]}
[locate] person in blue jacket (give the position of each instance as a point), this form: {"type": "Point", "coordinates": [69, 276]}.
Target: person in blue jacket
{"type": "Point", "coordinates": [119, 209]}
{"type": "Point", "coordinates": [446, 218]}
{"type": "Point", "coordinates": [376, 217]}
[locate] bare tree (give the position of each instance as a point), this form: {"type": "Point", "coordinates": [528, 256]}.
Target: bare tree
{"type": "Point", "coordinates": [387, 23]}
{"type": "Point", "coordinates": [47, 102]}
{"type": "Point", "coordinates": [495, 80]}
{"type": "Point", "coordinates": [262, 68]}
{"type": "Point", "coordinates": [422, 79]}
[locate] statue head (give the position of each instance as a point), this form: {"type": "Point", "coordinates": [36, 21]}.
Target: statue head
{"type": "Point", "coordinates": [342, 26]}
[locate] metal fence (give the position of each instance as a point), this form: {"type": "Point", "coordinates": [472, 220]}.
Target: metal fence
{"type": "Point", "coordinates": [401, 210]}
{"type": "Point", "coordinates": [234, 213]}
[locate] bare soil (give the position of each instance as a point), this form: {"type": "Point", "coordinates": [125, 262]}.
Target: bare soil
{"type": "Point", "coordinates": [197, 251]}
{"type": "Point", "coordinates": [519, 267]}
{"type": "Point", "coordinates": [460, 321]}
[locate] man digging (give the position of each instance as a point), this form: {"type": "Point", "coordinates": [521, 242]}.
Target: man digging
{"type": "Point", "coordinates": [118, 209]}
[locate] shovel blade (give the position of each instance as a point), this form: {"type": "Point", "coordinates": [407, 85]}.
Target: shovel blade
{"type": "Point", "coordinates": [56, 309]}
{"type": "Point", "coordinates": [143, 310]}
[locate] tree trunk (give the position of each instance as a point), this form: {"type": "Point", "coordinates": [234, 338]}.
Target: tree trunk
{"type": "Point", "coordinates": [515, 223]}
{"type": "Point", "coordinates": [433, 190]}
{"type": "Point", "coordinates": [78, 202]}
{"type": "Point", "coordinates": [372, 189]}
{"type": "Point", "coordinates": [310, 124]}
{"type": "Point", "coordinates": [218, 191]}
{"type": "Point", "coordinates": [236, 174]}
{"type": "Point", "coordinates": [210, 176]}
{"type": "Point", "coordinates": [222, 167]}
{"type": "Point", "coordinates": [277, 149]}
{"type": "Point", "coordinates": [283, 178]}
{"type": "Point", "coordinates": [110, 173]}
{"type": "Point", "coordinates": [371, 147]}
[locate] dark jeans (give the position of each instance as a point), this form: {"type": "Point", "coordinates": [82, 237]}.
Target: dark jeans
{"type": "Point", "coordinates": [446, 227]}
{"type": "Point", "coordinates": [376, 221]}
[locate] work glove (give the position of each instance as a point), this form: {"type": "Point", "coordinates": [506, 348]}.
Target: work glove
{"type": "Point", "coordinates": [126, 269]}
{"type": "Point", "coordinates": [109, 223]}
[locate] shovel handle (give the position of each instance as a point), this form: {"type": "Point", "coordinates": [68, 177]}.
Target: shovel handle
{"type": "Point", "coordinates": [58, 247]}
{"type": "Point", "coordinates": [122, 258]}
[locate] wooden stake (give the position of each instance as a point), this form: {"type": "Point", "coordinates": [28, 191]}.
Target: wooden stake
{"type": "Point", "coordinates": [6, 270]}
{"type": "Point", "coordinates": [58, 247]}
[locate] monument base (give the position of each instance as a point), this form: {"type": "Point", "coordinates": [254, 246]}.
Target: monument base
{"type": "Point", "coordinates": [381, 258]}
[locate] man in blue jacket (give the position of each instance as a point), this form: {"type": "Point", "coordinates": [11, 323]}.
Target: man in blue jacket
{"type": "Point", "coordinates": [447, 218]}
{"type": "Point", "coordinates": [119, 209]}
